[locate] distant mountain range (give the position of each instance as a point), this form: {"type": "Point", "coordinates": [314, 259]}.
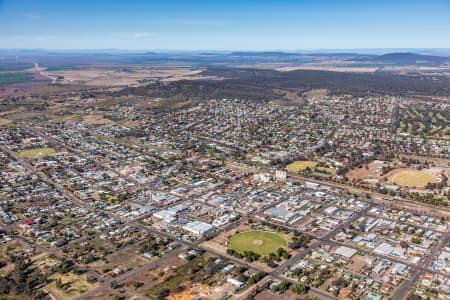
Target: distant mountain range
{"type": "Point", "coordinates": [394, 58]}
{"type": "Point", "coordinates": [19, 59]}
{"type": "Point", "coordinates": [406, 58]}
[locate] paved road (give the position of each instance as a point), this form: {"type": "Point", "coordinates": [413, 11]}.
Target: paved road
{"type": "Point", "coordinates": [403, 291]}
{"type": "Point", "coordinates": [375, 197]}
{"type": "Point", "coordinates": [320, 241]}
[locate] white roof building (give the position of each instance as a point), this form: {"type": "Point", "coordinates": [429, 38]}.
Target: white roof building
{"type": "Point", "coordinates": [345, 252]}
{"type": "Point", "coordinates": [198, 228]}
{"type": "Point", "coordinates": [235, 282]}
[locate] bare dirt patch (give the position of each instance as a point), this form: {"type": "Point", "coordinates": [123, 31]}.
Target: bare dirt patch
{"type": "Point", "coordinates": [316, 93]}
{"type": "Point", "coordinates": [96, 120]}
{"type": "Point", "coordinates": [258, 242]}
{"type": "Point", "coordinates": [358, 263]}
{"type": "Point", "coordinates": [369, 174]}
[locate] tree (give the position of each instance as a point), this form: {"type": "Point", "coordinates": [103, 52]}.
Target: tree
{"type": "Point", "coordinates": [4, 286]}
{"type": "Point", "coordinates": [283, 286]}
{"type": "Point", "coordinates": [163, 294]}
{"type": "Point", "coordinates": [280, 252]}
{"type": "Point", "coordinates": [58, 283]}
{"type": "Point", "coordinates": [416, 240]}
{"type": "Point", "coordinates": [300, 288]}
{"type": "Point", "coordinates": [23, 279]}
{"type": "Point", "coordinates": [413, 297]}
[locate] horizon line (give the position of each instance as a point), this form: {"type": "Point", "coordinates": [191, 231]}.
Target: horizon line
{"type": "Point", "coordinates": [229, 50]}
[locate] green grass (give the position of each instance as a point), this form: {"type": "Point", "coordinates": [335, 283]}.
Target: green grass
{"type": "Point", "coordinates": [410, 128]}
{"type": "Point", "coordinates": [32, 153]}
{"type": "Point", "coordinates": [170, 104]}
{"type": "Point", "coordinates": [312, 165]}
{"type": "Point", "coordinates": [402, 127]}
{"type": "Point", "coordinates": [446, 130]}
{"type": "Point", "coordinates": [421, 127]}
{"type": "Point", "coordinates": [325, 170]}
{"type": "Point", "coordinates": [301, 165]}
{"type": "Point", "coordinates": [440, 116]}
{"type": "Point", "coordinates": [11, 78]}
{"type": "Point", "coordinates": [261, 242]}
{"type": "Point", "coordinates": [412, 178]}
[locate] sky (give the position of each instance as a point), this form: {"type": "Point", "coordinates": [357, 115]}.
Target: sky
{"type": "Point", "coordinates": [224, 25]}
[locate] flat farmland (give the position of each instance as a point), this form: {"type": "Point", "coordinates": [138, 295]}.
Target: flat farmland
{"type": "Point", "coordinates": [118, 77]}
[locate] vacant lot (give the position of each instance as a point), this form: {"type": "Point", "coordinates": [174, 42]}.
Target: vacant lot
{"type": "Point", "coordinates": [125, 259]}
{"type": "Point", "coordinates": [179, 278]}
{"type": "Point", "coordinates": [97, 120]}
{"type": "Point", "coordinates": [316, 93]}
{"type": "Point", "coordinates": [32, 153]}
{"type": "Point", "coordinates": [261, 242]}
{"type": "Point", "coordinates": [411, 178]}
{"type": "Point", "coordinates": [43, 262]}
{"type": "Point", "coordinates": [71, 285]}
{"type": "Point", "coordinates": [299, 166]}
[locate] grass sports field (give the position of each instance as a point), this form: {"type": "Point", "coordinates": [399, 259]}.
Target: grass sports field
{"type": "Point", "coordinates": [298, 166]}
{"type": "Point", "coordinates": [32, 153]}
{"type": "Point", "coordinates": [261, 242]}
{"type": "Point", "coordinates": [407, 177]}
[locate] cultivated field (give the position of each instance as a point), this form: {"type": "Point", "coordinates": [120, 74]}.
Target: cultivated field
{"type": "Point", "coordinates": [261, 242]}
{"type": "Point", "coordinates": [119, 77]}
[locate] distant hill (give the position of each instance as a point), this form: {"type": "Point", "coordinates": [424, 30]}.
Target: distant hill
{"type": "Point", "coordinates": [296, 54]}
{"type": "Point", "coordinates": [404, 58]}
{"type": "Point", "coordinates": [266, 53]}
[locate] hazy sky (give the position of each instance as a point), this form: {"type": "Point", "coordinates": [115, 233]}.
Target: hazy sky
{"type": "Point", "coordinates": [224, 25]}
